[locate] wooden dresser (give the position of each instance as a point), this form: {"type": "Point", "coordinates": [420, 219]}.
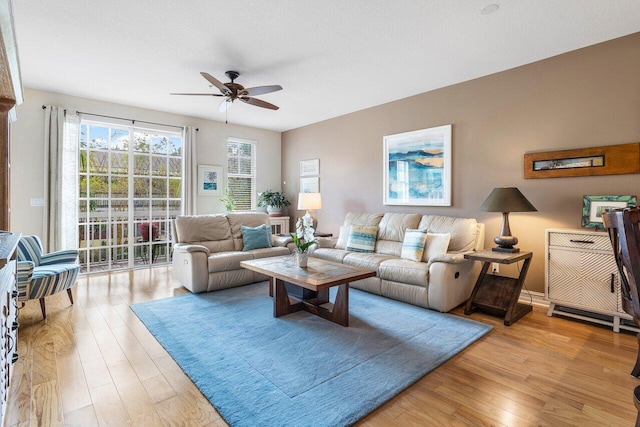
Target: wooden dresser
{"type": "Point", "coordinates": [8, 314]}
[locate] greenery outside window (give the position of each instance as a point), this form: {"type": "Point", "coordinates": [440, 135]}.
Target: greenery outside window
{"type": "Point", "coordinates": [130, 188]}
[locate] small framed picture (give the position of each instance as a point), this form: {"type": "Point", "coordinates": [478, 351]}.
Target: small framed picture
{"type": "Point", "coordinates": [209, 180]}
{"type": "Point", "coordinates": [310, 167]}
{"type": "Point", "coordinates": [594, 206]}
{"type": "Point", "coordinates": [310, 185]}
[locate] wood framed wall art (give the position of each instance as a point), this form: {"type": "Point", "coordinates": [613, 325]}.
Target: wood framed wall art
{"type": "Point", "coordinates": [606, 160]}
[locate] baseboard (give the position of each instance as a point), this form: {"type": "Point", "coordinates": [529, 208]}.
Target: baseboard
{"type": "Point", "coordinates": [534, 298]}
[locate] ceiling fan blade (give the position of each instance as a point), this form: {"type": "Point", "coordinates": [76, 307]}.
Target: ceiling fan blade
{"type": "Point", "coordinates": [217, 83]}
{"type": "Point", "coordinates": [258, 103]}
{"type": "Point", "coordinates": [261, 90]}
{"type": "Point", "coordinates": [225, 105]}
{"type": "Point", "coordinates": [197, 94]}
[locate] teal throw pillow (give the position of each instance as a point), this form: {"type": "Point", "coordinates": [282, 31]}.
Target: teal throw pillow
{"type": "Point", "coordinates": [256, 237]}
{"type": "Point", "coordinates": [413, 244]}
{"type": "Point", "coordinates": [362, 238]}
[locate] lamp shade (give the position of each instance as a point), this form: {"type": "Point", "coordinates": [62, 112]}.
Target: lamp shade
{"type": "Point", "coordinates": [506, 199]}
{"type": "Point", "coordinates": [309, 201]}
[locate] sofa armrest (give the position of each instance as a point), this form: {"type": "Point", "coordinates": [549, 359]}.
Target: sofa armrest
{"type": "Point", "coordinates": [281, 241]}
{"type": "Point", "coordinates": [449, 257]}
{"type": "Point", "coordinates": [187, 248]}
{"type": "Point", "coordinates": [69, 256]}
{"type": "Point", "coordinates": [191, 267]}
{"type": "Point", "coordinates": [451, 280]}
{"type": "Point", "coordinates": [327, 242]}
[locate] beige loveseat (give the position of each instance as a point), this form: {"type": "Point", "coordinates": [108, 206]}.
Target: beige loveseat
{"type": "Point", "coordinates": [441, 281]}
{"type": "Point", "coordinates": [208, 249]}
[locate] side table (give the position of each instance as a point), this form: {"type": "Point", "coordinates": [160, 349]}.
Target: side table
{"type": "Point", "coordinates": [498, 295]}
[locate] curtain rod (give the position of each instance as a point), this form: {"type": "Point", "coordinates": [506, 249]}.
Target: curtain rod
{"type": "Point", "coordinates": [122, 118]}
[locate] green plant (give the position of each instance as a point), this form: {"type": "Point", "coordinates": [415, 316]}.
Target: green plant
{"type": "Point", "coordinates": [273, 198]}
{"type": "Point", "coordinates": [229, 200]}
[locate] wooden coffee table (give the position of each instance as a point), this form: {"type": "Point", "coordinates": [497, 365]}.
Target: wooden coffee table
{"type": "Point", "coordinates": [317, 278]}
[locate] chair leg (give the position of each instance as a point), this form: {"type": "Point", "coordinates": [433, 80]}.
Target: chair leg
{"type": "Point", "coordinates": [636, 401]}
{"type": "Point", "coordinates": [44, 311]}
{"type": "Point", "coordinates": [636, 369]}
{"type": "Point", "coordinates": [70, 295]}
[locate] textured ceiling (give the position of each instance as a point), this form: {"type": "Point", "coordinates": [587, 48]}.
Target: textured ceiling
{"type": "Point", "coordinates": [332, 57]}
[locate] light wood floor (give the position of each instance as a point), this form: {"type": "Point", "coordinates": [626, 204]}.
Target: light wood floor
{"type": "Point", "coordinates": [94, 363]}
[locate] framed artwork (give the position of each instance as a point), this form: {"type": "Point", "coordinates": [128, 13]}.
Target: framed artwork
{"type": "Point", "coordinates": [310, 167]}
{"type": "Point", "coordinates": [605, 160]}
{"type": "Point", "coordinates": [310, 185]}
{"type": "Point", "coordinates": [594, 206]}
{"type": "Point", "coordinates": [417, 168]}
{"type": "Point", "coordinates": [209, 180]}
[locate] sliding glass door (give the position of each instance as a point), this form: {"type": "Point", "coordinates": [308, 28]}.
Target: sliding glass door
{"type": "Point", "coordinates": [130, 189]}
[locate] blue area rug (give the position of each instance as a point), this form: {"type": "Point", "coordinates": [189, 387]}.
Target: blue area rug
{"type": "Point", "coordinates": [301, 370]}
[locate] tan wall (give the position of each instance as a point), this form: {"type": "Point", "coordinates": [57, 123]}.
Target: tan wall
{"type": "Point", "coordinates": [27, 152]}
{"type": "Point", "coordinates": [585, 98]}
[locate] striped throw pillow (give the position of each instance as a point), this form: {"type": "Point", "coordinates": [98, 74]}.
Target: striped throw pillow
{"type": "Point", "coordinates": [362, 238]}
{"type": "Point", "coordinates": [413, 244]}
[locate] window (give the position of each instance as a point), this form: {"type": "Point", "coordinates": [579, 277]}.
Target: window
{"type": "Point", "coordinates": [241, 172]}
{"type": "Point", "coordinates": [130, 189]}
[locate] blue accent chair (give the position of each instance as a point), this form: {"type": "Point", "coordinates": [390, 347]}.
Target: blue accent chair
{"type": "Point", "coordinates": [41, 275]}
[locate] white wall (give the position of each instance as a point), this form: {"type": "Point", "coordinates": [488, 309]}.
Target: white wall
{"type": "Point", "coordinates": [27, 154]}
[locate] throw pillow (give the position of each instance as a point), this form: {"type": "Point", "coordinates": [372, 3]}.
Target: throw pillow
{"type": "Point", "coordinates": [343, 237]}
{"type": "Point", "coordinates": [256, 237]}
{"type": "Point", "coordinates": [437, 244]}
{"type": "Point", "coordinates": [362, 238]}
{"type": "Point", "coordinates": [413, 244]}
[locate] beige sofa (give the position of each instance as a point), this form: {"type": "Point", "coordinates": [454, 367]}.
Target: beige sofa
{"type": "Point", "coordinates": [207, 250]}
{"type": "Point", "coordinates": [441, 282]}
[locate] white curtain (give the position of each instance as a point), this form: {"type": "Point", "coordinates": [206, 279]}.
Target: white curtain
{"type": "Point", "coordinates": [189, 171]}
{"type": "Point", "coordinates": [61, 140]}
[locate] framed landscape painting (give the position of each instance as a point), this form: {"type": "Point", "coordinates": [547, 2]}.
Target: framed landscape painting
{"type": "Point", "coordinates": [209, 180]}
{"type": "Point", "coordinates": [417, 168]}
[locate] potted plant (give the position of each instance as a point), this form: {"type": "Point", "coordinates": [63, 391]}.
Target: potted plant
{"type": "Point", "coordinates": [303, 239]}
{"type": "Point", "coordinates": [229, 200]}
{"type": "Point", "coordinates": [274, 201]}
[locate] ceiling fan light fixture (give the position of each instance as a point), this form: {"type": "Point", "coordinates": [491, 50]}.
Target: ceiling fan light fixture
{"type": "Point", "coordinates": [233, 91]}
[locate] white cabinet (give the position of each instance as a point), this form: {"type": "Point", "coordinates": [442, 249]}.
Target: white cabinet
{"type": "Point", "coordinates": [581, 275]}
{"type": "Point", "coordinates": [279, 224]}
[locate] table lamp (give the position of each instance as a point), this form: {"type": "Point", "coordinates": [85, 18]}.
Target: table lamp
{"type": "Point", "coordinates": [310, 202]}
{"type": "Point", "coordinates": [505, 200]}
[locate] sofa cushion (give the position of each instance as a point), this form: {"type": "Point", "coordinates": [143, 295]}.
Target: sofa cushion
{"type": "Point", "coordinates": [437, 244]}
{"type": "Point", "coordinates": [226, 261]}
{"type": "Point", "coordinates": [365, 260]}
{"type": "Point", "coordinates": [463, 230]}
{"type": "Point", "coordinates": [269, 252]}
{"type": "Point", "coordinates": [393, 225]}
{"type": "Point", "coordinates": [405, 271]}
{"type": "Point", "coordinates": [256, 237]}
{"type": "Point", "coordinates": [250, 219]}
{"type": "Point", "coordinates": [199, 228]}
{"type": "Point", "coordinates": [389, 247]}
{"type": "Point", "coordinates": [413, 244]}
{"type": "Point", "coordinates": [362, 238]}
{"type": "Point", "coordinates": [330, 254]}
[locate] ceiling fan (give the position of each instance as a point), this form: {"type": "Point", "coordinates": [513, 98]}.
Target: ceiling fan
{"type": "Point", "coordinates": [232, 91]}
